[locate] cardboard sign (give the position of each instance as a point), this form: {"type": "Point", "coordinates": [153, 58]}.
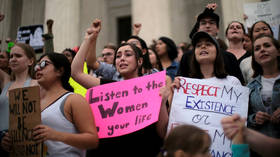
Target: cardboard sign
{"type": "Point", "coordinates": [204, 103]}
{"type": "Point", "coordinates": [127, 106]}
{"type": "Point", "coordinates": [25, 114]}
{"type": "Point", "coordinates": [265, 11]}
{"type": "Point", "coordinates": [31, 35]}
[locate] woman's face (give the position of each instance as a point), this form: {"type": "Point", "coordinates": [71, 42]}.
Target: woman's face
{"type": "Point", "coordinates": [235, 31]}
{"type": "Point", "coordinates": [19, 62]}
{"type": "Point", "coordinates": [126, 62]}
{"type": "Point", "coordinates": [4, 60]}
{"type": "Point", "coordinates": [45, 71]}
{"type": "Point", "coordinates": [153, 57]}
{"type": "Point", "coordinates": [265, 52]}
{"type": "Point", "coordinates": [68, 55]}
{"type": "Point", "coordinates": [261, 28]}
{"type": "Point", "coordinates": [161, 48]}
{"type": "Point", "coordinates": [205, 51]}
{"type": "Point", "coordinates": [247, 43]}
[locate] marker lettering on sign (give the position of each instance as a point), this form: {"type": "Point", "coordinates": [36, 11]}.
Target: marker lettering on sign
{"type": "Point", "coordinates": [141, 118]}
{"type": "Point", "coordinates": [198, 89]}
{"type": "Point", "coordinates": [109, 112]}
{"type": "Point", "coordinates": [112, 128]}
{"type": "Point", "coordinates": [107, 96]}
{"type": "Point", "coordinates": [209, 106]}
{"type": "Point", "coordinates": [216, 153]}
{"type": "Point", "coordinates": [232, 93]}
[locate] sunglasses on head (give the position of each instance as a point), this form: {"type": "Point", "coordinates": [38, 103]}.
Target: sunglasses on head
{"type": "Point", "coordinates": [41, 65]}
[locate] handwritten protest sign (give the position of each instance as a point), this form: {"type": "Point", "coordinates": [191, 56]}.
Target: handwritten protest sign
{"type": "Point", "coordinates": [25, 114]}
{"type": "Point", "coordinates": [266, 11]}
{"type": "Point", "coordinates": [204, 103]}
{"type": "Point", "coordinates": [127, 106]}
{"type": "Point", "coordinates": [31, 35]}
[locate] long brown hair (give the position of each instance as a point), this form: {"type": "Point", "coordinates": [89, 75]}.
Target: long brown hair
{"type": "Point", "coordinates": [256, 66]}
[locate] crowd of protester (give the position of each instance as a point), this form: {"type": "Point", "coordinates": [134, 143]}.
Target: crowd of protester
{"type": "Point", "coordinates": [251, 58]}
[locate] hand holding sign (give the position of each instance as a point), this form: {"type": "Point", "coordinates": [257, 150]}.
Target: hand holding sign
{"type": "Point", "coordinates": [204, 103]}
{"type": "Point", "coordinates": [233, 127]}
{"type": "Point", "coordinates": [6, 142]}
{"type": "Point", "coordinates": [120, 111]}
{"type": "Point", "coordinates": [42, 133]}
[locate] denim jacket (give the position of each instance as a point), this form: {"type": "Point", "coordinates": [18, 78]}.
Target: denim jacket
{"type": "Point", "coordinates": [256, 104]}
{"type": "Point", "coordinates": [172, 69]}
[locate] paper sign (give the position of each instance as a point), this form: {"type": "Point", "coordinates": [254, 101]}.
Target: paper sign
{"type": "Point", "coordinates": [25, 114]}
{"type": "Point", "coordinates": [127, 106]}
{"type": "Point", "coordinates": [204, 103]}
{"type": "Point", "coordinates": [31, 35]}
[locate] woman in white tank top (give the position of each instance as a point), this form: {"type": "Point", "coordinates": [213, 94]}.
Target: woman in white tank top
{"type": "Point", "coordinates": [68, 127]}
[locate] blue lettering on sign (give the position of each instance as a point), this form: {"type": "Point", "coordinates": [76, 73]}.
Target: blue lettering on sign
{"type": "Point", "coordinates": [216, 153]}
{"type": "Point", "coordinates": [209, 106]}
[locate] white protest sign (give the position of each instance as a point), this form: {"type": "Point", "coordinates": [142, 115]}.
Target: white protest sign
{"type": "Point", "coordinates": [204, 103]}
{"type": "Point", "coordinates": [266, 11]}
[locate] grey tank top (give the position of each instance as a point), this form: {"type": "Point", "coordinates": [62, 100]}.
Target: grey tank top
{"type": "Point", "coordinates": [4, 105]}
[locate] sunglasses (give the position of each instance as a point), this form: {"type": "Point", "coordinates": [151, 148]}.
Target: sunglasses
{"type": "Point", "coordinates": [41, 65]}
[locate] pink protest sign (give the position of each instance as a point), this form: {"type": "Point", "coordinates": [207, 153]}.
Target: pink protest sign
{"type": "Point", "coordinates": [127, 106]}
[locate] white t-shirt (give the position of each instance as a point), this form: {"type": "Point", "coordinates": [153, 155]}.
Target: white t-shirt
{"type": "Point", "coordinates": [266, 92]}
{"type": "Point", "coordinates": [228, 80]}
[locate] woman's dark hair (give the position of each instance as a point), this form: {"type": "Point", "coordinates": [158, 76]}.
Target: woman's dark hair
{"type": "Point", "coordinates": [253, 27]}
{"type": "Point", "coordinates": [73, 53]}
{"type": "Point", "coordinates": [171, 47]}
{"type": "Point", "coordinates": [146, 60]}
{"type": "Point", "coordinates": [219, 69]}
{"type": "Point", "coordinates": [159, 65]}
{"type": "Point", "coordinates": [256, 66]}
{"type": "Point", "coordinates": [60, 61]}
{"type": "Point", "coordinates": [187, 138]}
{"type": "Point", "coordinates": [30, 53]}
{"type": "Point", "coordinates": [138, 55]}
{"type": "Point", "coordinates": [242, 26]}
{"type": "Point", "coordinates": [8, 56]}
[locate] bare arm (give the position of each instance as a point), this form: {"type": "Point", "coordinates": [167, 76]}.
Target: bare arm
{"type": "Point", "coordinates": [82, 119]}
{"type": "Point", "coordinates": [163, 114]}
{"type": "Point", "coordinates": [91, 55]}
{"type": "Point", "coordinates": [78, 63]}
{"type": "Point", "coordinates": [264, 145]}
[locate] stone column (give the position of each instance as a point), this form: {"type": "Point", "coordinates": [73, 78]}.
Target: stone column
{"type": "Point", "coordinates": [154, 16]}
{"type": "Point", "coordinates": [66, 16]}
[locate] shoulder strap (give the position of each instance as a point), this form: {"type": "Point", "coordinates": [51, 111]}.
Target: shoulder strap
{"type": "Point", "coordinates": [5, 89]}
{"type": "Point", "coordinates": [61, 107]}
